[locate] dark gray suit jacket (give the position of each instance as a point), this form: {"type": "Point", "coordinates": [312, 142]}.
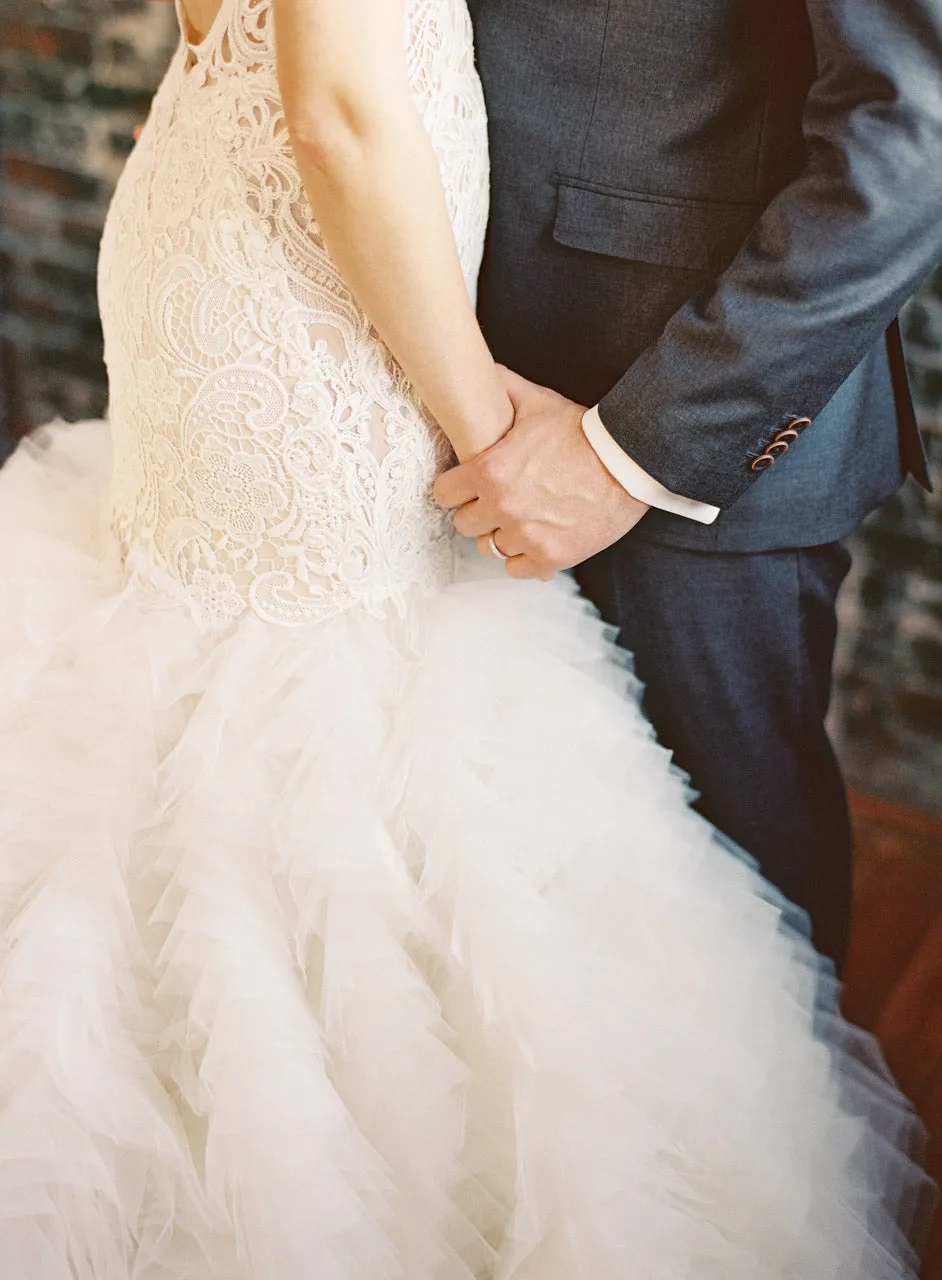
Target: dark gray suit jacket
{"type": "Point", "coordinates": [706, 214]}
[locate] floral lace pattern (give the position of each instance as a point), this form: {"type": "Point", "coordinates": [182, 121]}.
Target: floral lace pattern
{"type": "Point", "coordinates": [268, 451]}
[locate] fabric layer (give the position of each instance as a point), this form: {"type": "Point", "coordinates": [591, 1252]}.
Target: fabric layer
{"type": "Point", "coordinates": [388, 946]}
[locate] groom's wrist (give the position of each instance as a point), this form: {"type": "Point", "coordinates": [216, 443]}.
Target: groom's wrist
{"type": "Point", "coordinates": [634, 479]}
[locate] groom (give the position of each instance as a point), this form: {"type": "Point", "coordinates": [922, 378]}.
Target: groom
{"type": "Point", "coordinates": [706, 215]}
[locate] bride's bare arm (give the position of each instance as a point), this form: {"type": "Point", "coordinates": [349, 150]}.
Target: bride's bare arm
{"type": "Point", "coordinates": [373, 181]}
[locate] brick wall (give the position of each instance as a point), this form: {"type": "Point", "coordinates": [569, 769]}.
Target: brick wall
{"type": "Point", "coordinates": [77, 75]}
{"type": "Point", "coordinates": [888, 713]}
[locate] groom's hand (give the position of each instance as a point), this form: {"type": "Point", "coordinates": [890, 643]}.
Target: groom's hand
{"type": "Point", "coordinates": [542, 488]}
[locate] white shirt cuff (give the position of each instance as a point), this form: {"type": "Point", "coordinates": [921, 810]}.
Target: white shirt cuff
{"type": "Point", "coordinates": [635, 479]}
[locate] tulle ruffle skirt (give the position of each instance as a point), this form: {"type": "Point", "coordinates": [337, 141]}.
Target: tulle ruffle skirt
{"type": "Point", "coordinates": [389, 947]}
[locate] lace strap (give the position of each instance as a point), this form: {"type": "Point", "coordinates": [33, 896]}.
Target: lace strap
{"type": "Point", "coordinates": [239, 34]}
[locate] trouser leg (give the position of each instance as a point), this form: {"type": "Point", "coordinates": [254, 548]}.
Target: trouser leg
{"type": "Point", "coordinates": [736, 652]}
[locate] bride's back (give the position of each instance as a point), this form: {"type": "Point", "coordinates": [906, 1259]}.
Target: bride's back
{"type": "Point", "coordinates": [199, 16]}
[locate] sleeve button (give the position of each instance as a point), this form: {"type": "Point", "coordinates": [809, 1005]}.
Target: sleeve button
{"type": "Point", "coordinates": [762, 463]}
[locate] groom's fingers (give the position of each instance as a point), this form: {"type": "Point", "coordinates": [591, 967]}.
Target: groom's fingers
{"type": "Point", "coordinates": [504, 543]}
{"type": "Point", "coordinates": [524, 567]}
{"type": "Point", "coordinates": [484, 547]}
{"type": "Point", "coordinates": [517, 563]}
{"type": "Point", "coordinates": [456, 487]}
{"type": "Point", "coordinates": [475, 518]}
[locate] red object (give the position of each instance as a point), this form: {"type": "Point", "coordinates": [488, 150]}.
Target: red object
{"type": "Point", "coordinates": [893, 980]}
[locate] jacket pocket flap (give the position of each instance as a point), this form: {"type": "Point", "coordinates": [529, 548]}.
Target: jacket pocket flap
{"type": "Point", "coordinates": [696, 234]}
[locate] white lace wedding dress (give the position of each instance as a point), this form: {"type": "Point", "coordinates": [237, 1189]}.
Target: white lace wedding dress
{"type": "Point", "coordinates": [354, 925]}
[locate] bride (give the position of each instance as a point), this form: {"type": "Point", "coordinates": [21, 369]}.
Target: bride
{"type": "Point", "coordinates": [354, 924]}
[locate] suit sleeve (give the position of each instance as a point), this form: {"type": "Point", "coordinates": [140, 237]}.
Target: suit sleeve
{"type": "Point", "coordinates": [634, 479]}
{"type": "Point", "coordinates": [823, 272]}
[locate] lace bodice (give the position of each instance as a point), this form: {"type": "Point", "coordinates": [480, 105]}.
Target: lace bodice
{"type": "Point", "coordinates": [268, 451]}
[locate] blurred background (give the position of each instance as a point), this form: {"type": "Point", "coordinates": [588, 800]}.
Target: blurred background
{"type": "Point", "coordinates": [76, 76]}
